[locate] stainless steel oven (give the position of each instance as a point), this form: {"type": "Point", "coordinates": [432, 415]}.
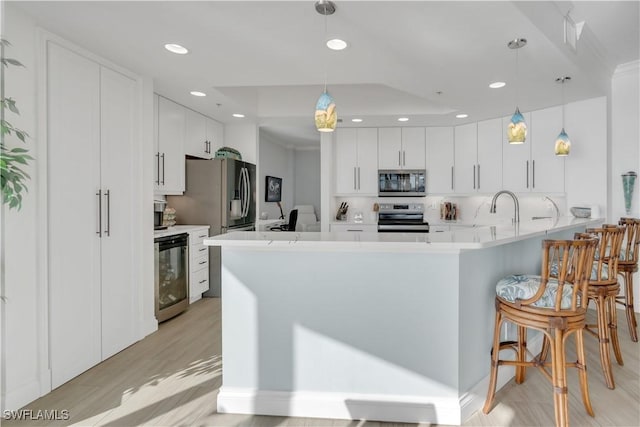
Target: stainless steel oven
{"type": "Point", "coordinates": [402, 218]}
{"type": "Point", "coordinates": [171, 275]}
{"type": "Point", "coordinates": [394, 183]}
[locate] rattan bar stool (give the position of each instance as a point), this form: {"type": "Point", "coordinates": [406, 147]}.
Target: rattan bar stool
{"type": "Point", "coordinates": [554, 306]}
{"type": "Point", "coordinates": [628, 265]}
{"type": "Point", "coordinates": [603, 290]}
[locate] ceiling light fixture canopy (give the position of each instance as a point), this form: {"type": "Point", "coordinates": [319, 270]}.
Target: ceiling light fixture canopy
{"type": "Point", "coordinates": [563, 143]}
{"type": "Point", "coordinates": [326, 116]}
{"type": "Point", "coordinates": [517, 128]}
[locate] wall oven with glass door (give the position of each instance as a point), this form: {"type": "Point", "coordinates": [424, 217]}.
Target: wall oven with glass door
{"type": "Point", "coordinates": [171, 275]}
{"type": "Point", "coordinates": [403, 183]}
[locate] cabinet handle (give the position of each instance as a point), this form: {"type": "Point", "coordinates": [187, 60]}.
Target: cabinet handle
{"type": "Point", "coordinates": [404, 158]}
{"type": "Point", "coordinates": [158, 170]}
{"type": "Point", "coordinates": [202, 262]}
{"type": "Point", "coordinates": [202, 236]}
{"type": "Point", "coordinates": [478, 176]}
{"type": "Point", "coordinates": [107, 196]}
{"type": "Point", "coordinates": [354, 179]}
{"type": "Point", "coordinates": [527, 173]}
{"type": "Point", "coordinates": [162, 168]}
{"type": "Point", "coordinates": [533, 172]}
{"type": "Point", "coordinates": [202, 249]}
{"type": "Point", "coordinates": [202, 281]}
{"type": "Point", "coordinates": [399, 163]}
{"type": "Point", "coordinates": [99, 194]}
{"type": "Point", "coordinates": [358, 177]}
{"type": "Point", "coordinates": [348, 229]}
{"type": "Point", "coordinates": [452, 177]}
{"type": "Point", "coordinates": [474, 177]}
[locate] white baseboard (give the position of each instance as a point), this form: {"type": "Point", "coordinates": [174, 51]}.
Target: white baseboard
{"type": "Point", "coordinates": [374, 407]}
{"type": "Point", "coordinates": [19, 397]}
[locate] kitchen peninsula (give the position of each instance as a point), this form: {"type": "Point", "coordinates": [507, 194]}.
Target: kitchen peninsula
{"type": "Point", "coordinates": [377, 326]}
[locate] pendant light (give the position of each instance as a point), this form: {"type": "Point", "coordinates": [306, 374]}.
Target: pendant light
{"type": "Point", "coordinates": [326, 116]}
{"type": "Point", "coordinates": [563, 144]}
{"type": "Point", "coordinates": [517, 128]}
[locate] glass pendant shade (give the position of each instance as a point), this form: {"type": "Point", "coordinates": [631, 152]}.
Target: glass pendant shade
{"type": "Point", "coordinates": [326, 115]}
{"type": "Point", "coordinates": [563, 144]}
{"type": "Point", "coordinates": [517, 129]}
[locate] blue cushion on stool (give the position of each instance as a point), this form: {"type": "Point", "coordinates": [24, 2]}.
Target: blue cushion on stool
{"type": "Point", "coordinates": [594, 270]}
{"type": "Point", "coordinates": [524, 286]}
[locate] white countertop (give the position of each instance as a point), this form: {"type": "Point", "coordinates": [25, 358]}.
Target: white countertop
{"type": "Point", "coordinates": [455, 240]}
{"type": "Point", "coordinates": [178, 229]}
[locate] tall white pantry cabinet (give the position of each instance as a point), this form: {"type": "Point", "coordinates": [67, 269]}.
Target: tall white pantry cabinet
{"type": "Point", "coordinates": [92, 140]}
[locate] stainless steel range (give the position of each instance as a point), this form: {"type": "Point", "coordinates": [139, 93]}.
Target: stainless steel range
{"type": "Point", "coordinates": [402, 218]}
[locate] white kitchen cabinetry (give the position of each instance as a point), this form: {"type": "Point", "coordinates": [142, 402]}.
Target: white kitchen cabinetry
{"type": "Point", "coordinates": [533, 166]}
{"type": "Point", "coordinates": [357, 228]}
{"type": "Point", "coordinates": [466, 158]}
{"type": "Point", "coordinates": [93, 217]}
{"type": "Point", "coordinates": [169, 153]}
{"type": "Point", "coordinates": [440, 160]}
{"type": "Point", "coordinates": [357, 161]}
{"type": "Point", "coordinates": [478, 157]}
{"type": "Point", "coordinates": [203, 136]}
{"type": "Point", "coordinates": [198, 263]}
{"type": "Point", "coordinates": [401, 148]}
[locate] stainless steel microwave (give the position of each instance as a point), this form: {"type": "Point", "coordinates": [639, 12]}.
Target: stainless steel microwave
{"type": "Point", "coordinates": [403, 183]}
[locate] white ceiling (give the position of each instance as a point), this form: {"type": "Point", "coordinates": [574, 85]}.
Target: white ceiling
{"type": "Point", "coordinates": [426, 60]}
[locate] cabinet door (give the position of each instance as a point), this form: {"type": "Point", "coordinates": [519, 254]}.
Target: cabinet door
{"type": "Point", "coordinates": [516, 159]}
{"type": "Point", "coordinates": [489, 169]}
{"type": "Point", "coordinates": [195, 140]}
{"type": "Point", "coordinates": [119, 166]}
{"type": "Point", "coordinates": [346, 160]}
{"type": "Point", "coordinates": [73, 179]}
{"type": "Point", "coordinates": [413, 148]}
{"type": "Point", "coordinates": [547, 169]}
{"type": "Point", "coordinates": [466, 158]}
{"type": "Point", "coordinates": [215, 132]}
{"type": "Point", "coordinates": [439, 160]}
{"type": "Point", "coordinates": [171, 131]}
{"type": "Point", "coordinates": [367, 167]}
{"type": "Point", "coordinates": [390, 148]}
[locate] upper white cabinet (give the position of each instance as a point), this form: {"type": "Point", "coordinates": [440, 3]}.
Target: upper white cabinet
{"type": "Point", "coordinates": [356, 161]}
{"type": "Point", "coordinates": [203, 136]}
{"type": "Point", "coordinates": [94, 223]}
{"type": "Point", "coordinates": [401, 148]}
{"type": "Point", "coordinates": [533, 166]}
{"type": "Point", "coordinates": [169, 155]}
{"type": "Point", "coordinates": [478, 154]}
{"type": "Point", "coordinates": [440, 168]}
{"type": "Point", "coordinates": [466, 158]}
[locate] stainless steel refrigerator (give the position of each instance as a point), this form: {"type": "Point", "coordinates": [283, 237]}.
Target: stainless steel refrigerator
{"type": "Point", "coordinates": [220, 193]}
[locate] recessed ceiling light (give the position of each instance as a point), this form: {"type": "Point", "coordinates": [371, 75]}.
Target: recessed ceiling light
{"type": "Point", "coordinates": [238, 115]}
{"type": "Point", "coordinates": [176, 48]}
{"type": "Point", "coordinates": [462, 116]}
{"type": "Point", "coordinates": [497, 85]}
{"type": "Point", "coordinates": [336, 44]}
{"type": "Point", "coordinates": [403, 119]}
{"type": "Point", "coordinates": [196, 93]}
{"type": "Point", "coordinates": [356, 120]}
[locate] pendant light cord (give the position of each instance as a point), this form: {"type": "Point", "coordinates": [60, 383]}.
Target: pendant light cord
{"type": "Point", "coordinates": [517, 85]}
{"type": "Point", "coordinates": [326, 54]}
{"type": "Point", "coordinates": [563, 82]}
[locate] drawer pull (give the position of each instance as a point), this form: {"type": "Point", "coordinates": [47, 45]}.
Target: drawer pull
{"type": "Point", "coordinates": [203, 236]}
{"type": "Point", "coordinates": [202, 249]}
{"type": "Point", "coordinates": [202, 281]}
{"type": "Point", "coordinates": [202, 262]}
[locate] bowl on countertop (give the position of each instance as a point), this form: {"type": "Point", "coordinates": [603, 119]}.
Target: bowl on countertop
{"type": "Point", "coordinates": [581, 212]}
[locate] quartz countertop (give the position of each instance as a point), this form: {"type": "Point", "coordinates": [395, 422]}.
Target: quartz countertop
{"type": "Point", "coordinates": [455, 240]}
{"type": "Point", "coordinates": [178, 229]}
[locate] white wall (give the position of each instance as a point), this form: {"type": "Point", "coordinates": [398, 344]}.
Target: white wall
{"type": "Point", "coordinates": [307, 178]}
{"type": "Point", "coordinates": [625, 145]}
{"type": "Point", "coordinates": [275, 160]}
{"type": "Point", "coordinates": [244, 138]}
{"type": "Point", "coordinates": [21, 367]}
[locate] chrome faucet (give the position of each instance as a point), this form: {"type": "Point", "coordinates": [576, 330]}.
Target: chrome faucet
{"type": "Point", "coordinates": [516, 212]}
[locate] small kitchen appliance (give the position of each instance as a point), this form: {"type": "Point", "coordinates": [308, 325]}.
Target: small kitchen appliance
{"type": "Point", "coordinates": [403, 183]}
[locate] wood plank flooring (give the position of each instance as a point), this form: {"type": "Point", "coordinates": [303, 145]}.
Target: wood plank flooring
{"type": "Point", "coordinates": [172, 377]}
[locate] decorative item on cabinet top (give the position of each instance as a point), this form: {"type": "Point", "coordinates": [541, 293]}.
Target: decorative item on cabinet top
{"type": "Point", "coordinates": [229, 153]}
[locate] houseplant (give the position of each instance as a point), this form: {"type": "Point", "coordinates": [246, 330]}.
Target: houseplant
{"type": "Point", "coordinates": [12, 177]}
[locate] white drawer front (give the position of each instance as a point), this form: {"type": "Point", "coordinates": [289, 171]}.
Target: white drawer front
{"type": "Point", "coordinates": [197, 237]}
{"type": "Point", "coordinates": [197, 251]}
{"type": "Point", "coordinates": [200, 262]}
{"type": "Point", "coordinates": [199, 282]}
{"type": "Point", "coordinates": [367, 228]}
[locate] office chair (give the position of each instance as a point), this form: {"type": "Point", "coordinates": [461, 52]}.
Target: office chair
{"type": "Point", "coordinates": [291, 226]}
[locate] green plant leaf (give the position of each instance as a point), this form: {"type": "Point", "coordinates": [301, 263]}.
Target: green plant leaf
{"type": "Point", "coordinates": [20, 135]}
{"type": "Point", "coordinates": [19, 150]}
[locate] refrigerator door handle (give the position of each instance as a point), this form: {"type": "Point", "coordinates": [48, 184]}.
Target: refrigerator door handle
{"type": "Point", "coordinates": [245, 192]}
{"type": "Point", "coordinates": [248, 189]}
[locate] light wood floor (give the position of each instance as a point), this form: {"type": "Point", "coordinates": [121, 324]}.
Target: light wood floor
{"type": "Point", "coordinates": [171, 378]}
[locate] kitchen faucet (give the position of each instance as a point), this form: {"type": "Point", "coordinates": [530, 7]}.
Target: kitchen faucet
{"type": "Point", "coordinates": [492, 209]}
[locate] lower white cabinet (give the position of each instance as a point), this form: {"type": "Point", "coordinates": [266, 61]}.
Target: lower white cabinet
{"type": "Point", "coordinates": [341, 228]}
{"type": "Point", "coordinates": [198, 263]}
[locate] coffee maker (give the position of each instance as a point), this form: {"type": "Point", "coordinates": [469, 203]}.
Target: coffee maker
{"type": "Point", "coordinates": [158, 209]}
